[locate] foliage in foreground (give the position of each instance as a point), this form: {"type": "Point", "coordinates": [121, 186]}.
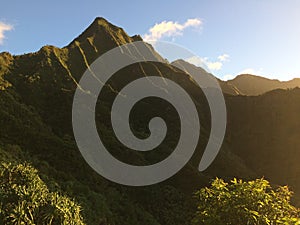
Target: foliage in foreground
{"type": "Point", "coordinates": [25, 199]}
{"type": "Point", "coordinates": [239, 202]}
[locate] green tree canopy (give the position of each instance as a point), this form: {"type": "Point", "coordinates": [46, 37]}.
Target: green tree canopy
{"type": "Point", "coordinates": [238, 202]}
{"type": "Point", "coordinates": [25, 199]}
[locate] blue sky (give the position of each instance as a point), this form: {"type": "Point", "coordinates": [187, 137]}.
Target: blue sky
{"type": "Point", "coordinates": [231, 37]}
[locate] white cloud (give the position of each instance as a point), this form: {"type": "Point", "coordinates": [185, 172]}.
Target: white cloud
{"type": "Point", "coordinates": [206, 63]}
{"type": "Point", "coordinates": [192, 23]}
{"type": "Point", "coordinates": [169, 29]}
{"type": "Point", "coordinates": [214, 65]}
{"type": "Point", "coordinates": [223, 58]}
{"type": "Point", "coordinates": [197, 61]}
{"type": "Point", "coordinates": [4, 27]}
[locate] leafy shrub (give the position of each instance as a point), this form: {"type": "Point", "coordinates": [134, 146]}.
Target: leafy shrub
{"type": "Point", "coordinates": [25, 199]}
{"type": "Point", "coordinates": [239, 202]}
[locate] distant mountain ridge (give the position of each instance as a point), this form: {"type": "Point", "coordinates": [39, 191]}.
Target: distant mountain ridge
{"type": "Point", "coordinates": [226, 87]}
{"type": "Point", "coordinates": [244, 84]}
{"type": "Point", "coordinates": [248, 84]}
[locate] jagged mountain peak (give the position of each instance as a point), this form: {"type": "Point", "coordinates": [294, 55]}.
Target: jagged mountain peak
{"type": "Point", "coordinates": [102, 22]}
{"type": "Point", "coordinates": [100, 30]}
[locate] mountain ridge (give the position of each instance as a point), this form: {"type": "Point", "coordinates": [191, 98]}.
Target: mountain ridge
{"type": "Point", "coordinates": [249, 84]}
{"type": "Point", "coordinates": [226, 88]}
{"type": "Point", "coordinates": [35, 110]}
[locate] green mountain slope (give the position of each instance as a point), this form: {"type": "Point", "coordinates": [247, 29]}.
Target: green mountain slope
{"type": "Point", "coordinates": [36, 94]}
{"type": "Point", "coordinates": [264, 131]}
{"type": "Point", "coordinates": [226, 87]}
{"type": "Point", "coordinates": [35, 116]}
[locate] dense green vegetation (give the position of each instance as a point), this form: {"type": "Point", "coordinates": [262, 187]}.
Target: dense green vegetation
{"type": "Point", "coordinates": [44, 178]}
{"type": "Point", "coordinates": [25, 199]}
{"type": "Point", "coordinates": [238, 202]}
